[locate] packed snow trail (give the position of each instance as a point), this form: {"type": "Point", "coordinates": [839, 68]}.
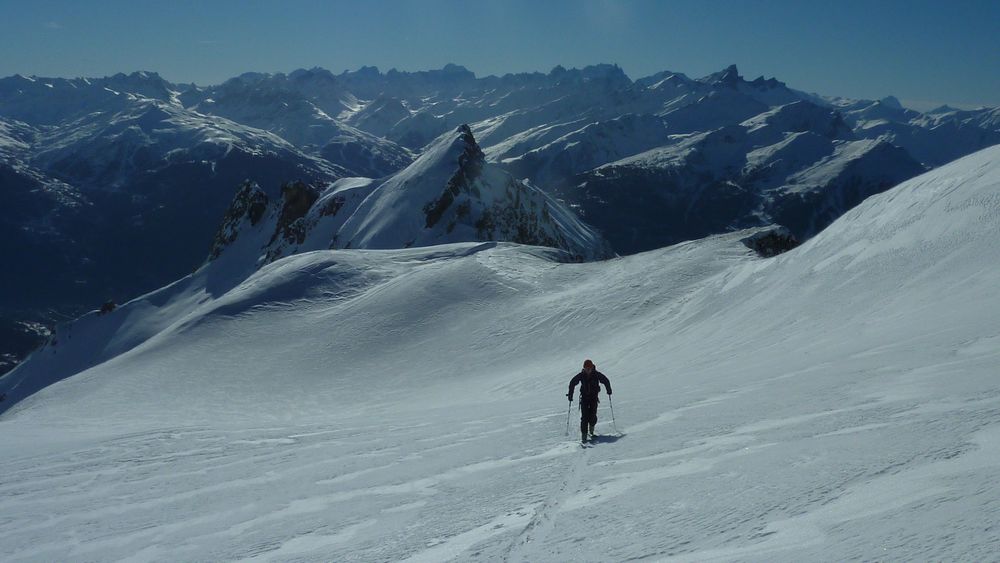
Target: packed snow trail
{"type": "Point", "coordinates": [838, 402]}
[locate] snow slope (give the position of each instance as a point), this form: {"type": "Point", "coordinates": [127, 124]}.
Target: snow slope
{"type": "Point", "coordinates": [836, 402]}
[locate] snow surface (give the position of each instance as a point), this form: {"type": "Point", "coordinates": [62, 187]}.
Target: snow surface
{"type": "Point", "coordinates": [837, 402]}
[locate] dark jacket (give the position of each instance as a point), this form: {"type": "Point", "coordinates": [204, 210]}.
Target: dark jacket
{"type": "Point", "coordinates": [590, 385]}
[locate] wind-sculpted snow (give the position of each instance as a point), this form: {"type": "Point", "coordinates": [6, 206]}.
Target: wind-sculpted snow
{"type": "Point", "coordinates": [836, 402]}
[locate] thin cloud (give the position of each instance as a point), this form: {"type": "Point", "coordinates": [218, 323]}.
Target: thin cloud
{"type": "Point", "coordinates": [53, 25]}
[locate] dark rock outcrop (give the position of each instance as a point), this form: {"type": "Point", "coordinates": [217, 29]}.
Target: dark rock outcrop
{"type": "Point", "coordinates": [297, 198]}
{"type": "Point", "coordinates": [249, 204]}
{"type": "Point", "coordinates": [470, 165]}
{"type": "Point", "coordinates": [771, 242]}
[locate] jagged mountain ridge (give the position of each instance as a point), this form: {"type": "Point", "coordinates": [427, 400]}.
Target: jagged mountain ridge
{"type": "Point", "coordinates": [450, 194]}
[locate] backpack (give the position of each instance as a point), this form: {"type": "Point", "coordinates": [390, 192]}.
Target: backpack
{"type": "Point", "coordinates": [590, 385]}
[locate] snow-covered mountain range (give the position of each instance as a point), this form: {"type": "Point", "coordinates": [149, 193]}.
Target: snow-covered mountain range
{"type": "Point", "coordinates": [114, 186]}
{"type": "Point", "coordinates": [836, 402]}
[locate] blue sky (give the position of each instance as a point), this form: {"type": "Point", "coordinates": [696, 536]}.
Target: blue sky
{"type": "Point", "coordinates": [923, 52]}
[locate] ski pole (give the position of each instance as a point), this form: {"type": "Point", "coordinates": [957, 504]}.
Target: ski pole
{"type": "Point", "coordinates": [613, 423]}
{"type": "Point", "coordinates": [569, 408]}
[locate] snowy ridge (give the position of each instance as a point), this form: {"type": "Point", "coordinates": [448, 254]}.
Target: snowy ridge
{"type": "Point", "coordinates": [837, 400]}
{"type": "Point", "coordinates": [450, 194]}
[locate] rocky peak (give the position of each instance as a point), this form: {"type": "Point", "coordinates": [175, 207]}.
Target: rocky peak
{"type": "Point", "coordinates": [249, 205]}
{"type": "Point", "coordinates": [297, 198]}
{"type": "Point", "coordinates": [769, 84]}
{"type": "Point", "coordinates": [728, 77]}
{"type": "Point", "coordinates": [366, 72]}
{"type": "Point", "coordinates": [472, 151]}
{"type": "Point", "coordinates": [470, 165]}
{"type": "Point", "coordinates": [315, 73]}
{"type": "Point", "coordinates": [771, 241]}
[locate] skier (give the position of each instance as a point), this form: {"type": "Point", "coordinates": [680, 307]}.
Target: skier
{"type": "Point", "coordinates": [590, 386]}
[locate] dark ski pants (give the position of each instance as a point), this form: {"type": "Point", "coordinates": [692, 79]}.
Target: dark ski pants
{"type": "Point", "coordinates": [588, 414]}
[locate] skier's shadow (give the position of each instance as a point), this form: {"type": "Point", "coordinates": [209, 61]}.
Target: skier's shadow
{"type": "Point", "coordinates": [607, 438]}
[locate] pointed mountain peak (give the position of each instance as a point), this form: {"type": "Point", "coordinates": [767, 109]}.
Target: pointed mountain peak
{"type": "Point", "coordinates": [470, 166]}
{"type": "Point", "coordinates": [248, 206]}
{"type": "Point", "coordinates": [460, 144]}
{"type": "Point", "coordinates": [472, 150]}
{"type": "Point", "coordinates": [455, 153]}
{"type": "Point", "coordinates": [465, 134]}
{"type": "Point", "coordinates": [729, 76]}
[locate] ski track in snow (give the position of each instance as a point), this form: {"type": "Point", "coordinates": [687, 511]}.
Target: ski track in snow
{"type": "Point", "coordinates": [541, 523]}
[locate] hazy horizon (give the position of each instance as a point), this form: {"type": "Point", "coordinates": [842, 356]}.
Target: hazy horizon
{"type": "Point", "coordinates": [923, 52]}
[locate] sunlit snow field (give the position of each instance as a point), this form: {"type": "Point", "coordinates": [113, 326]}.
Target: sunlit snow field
{"type": "Point", "coordinates": [840, 401]}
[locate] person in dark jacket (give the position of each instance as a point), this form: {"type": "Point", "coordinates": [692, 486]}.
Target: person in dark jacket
{"type": "Point", "coordinates": [590, 381]}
